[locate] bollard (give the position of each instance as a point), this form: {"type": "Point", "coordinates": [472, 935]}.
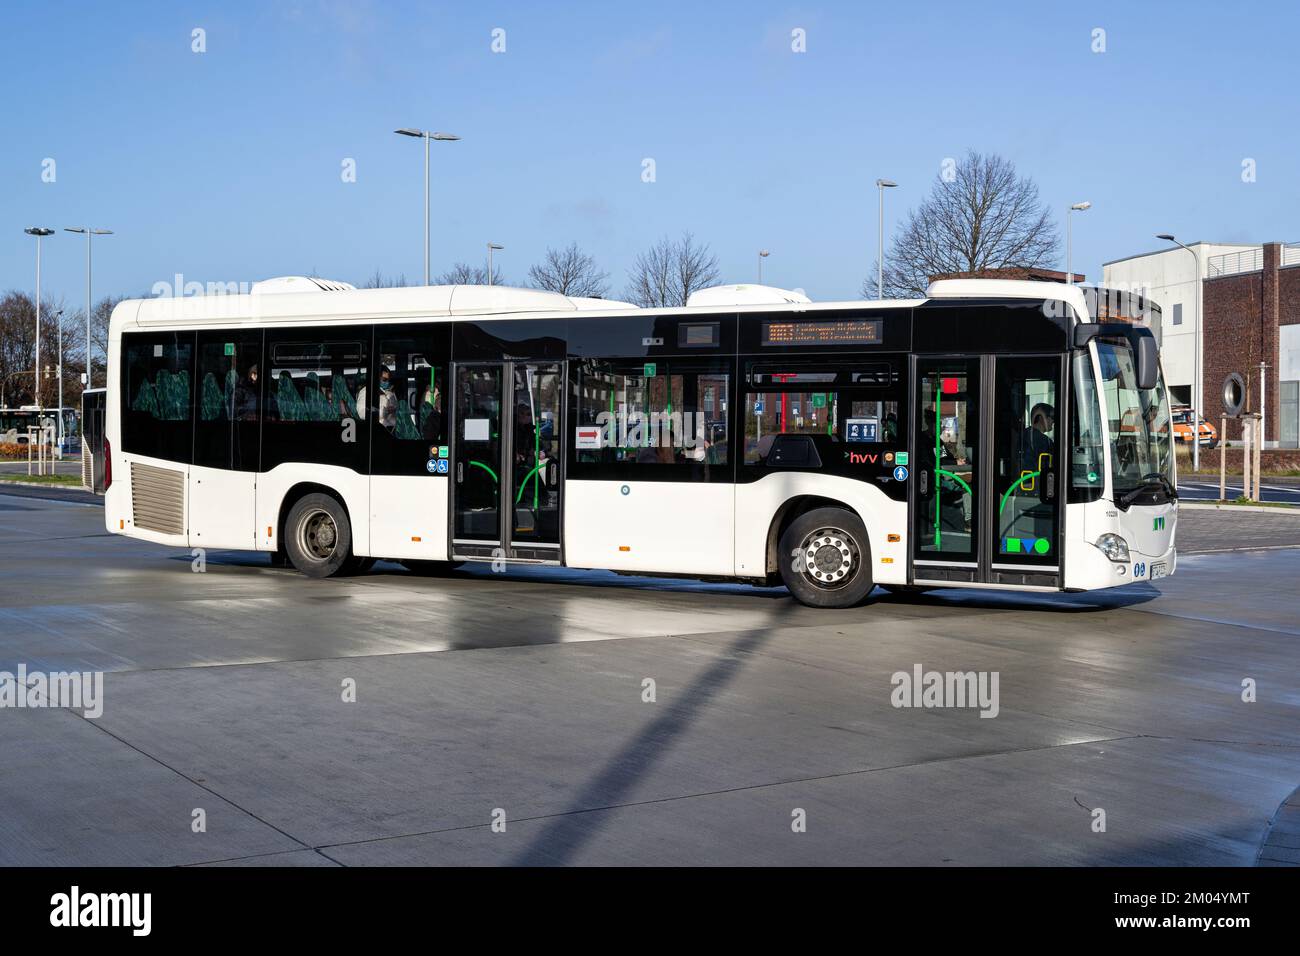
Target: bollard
{"type": "Point", "coordinates": [1223, 458]}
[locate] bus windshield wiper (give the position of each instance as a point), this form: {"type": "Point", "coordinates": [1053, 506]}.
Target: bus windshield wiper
{"type": "Point", "coordinates": [1146, 482]}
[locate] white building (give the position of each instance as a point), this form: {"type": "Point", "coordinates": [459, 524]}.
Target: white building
{"type": "Point", "coordinates": [1168, 277]}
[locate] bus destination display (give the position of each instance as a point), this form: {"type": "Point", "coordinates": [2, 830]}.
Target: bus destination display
{"type": "Point", "coordinates": [826, 332]}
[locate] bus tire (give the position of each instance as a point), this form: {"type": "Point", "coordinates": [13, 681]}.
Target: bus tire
{"type": "Point", "coordinates": [826, 558]}
{"type": "Point", "coordinates": [318, 536]}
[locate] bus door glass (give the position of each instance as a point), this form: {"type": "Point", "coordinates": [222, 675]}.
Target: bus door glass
{"type": "Point", "coordinates": [535, 457]}
{"type": "Point", "coordinates": [1026, 483]}
{"type": "Point", "coordinates": [476, 499]}
{"type": "Point", "coordinates": [506, 459]}
{"type": "Point", "coordinates": [946, 508]}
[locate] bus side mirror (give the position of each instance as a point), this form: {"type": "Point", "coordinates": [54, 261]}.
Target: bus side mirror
{"type": "Point", "coordinates": [1144, 349]}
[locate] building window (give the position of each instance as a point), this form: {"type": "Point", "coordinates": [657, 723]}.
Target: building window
{"type": "Point", "coordinates": [1178, 313]}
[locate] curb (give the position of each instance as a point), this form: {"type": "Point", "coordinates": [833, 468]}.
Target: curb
{"type": "Point", "coordinates": [1249, 509]}
{"type": "Point", "coordinates": [43, 484]}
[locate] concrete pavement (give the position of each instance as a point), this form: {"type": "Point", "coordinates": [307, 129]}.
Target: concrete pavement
{"type": "Point", "coordinates": [520, 697]}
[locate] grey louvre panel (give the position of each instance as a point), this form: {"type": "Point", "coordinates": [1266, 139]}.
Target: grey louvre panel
{"type": "Point", "coordinates": [157, 498]}
{"type": "Point", "coordinates": [87, 467]}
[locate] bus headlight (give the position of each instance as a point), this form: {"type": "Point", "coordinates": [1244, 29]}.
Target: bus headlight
{"type": "Point", "coordinates": [1114, 547]}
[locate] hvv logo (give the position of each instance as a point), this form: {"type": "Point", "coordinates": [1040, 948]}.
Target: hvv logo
{"type": "Point", "coordinates": [861, 458]}
{"type": "Point", "coordinates": [1157, 524]}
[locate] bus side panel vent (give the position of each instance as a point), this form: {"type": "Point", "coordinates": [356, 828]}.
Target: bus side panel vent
{"type": "Point", "coordinates": [157, 498]}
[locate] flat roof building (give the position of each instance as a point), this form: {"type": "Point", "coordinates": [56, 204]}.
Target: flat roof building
{"type": "Point", "coordinates": [1251, 299]}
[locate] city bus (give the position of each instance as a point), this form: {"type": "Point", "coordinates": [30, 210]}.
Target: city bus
{"type": "Point", "coordinates": [16, 424]}
{"type": "Point", "coordinates": [826, 447]}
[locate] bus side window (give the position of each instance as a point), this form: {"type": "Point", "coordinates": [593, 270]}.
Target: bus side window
{"type": "Point", "coordinates": [227, 420]}
{"type": "Point", "coordinates": [157, 394]}
{"type": "Point", "coordinates": [408, 407]}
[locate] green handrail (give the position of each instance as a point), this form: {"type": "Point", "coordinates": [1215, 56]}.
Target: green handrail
{"type": "Point", "coordinates": [1019, 481]}
{"type": "Point", "coordinates": [956, 478]}
{"type": "Point", "coordinates": [487, 469]}
{"type": "Point", "coordinates": [524, 484]}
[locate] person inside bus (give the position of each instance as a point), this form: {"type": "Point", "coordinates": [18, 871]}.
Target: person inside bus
{"type": "Point", "coordinates": [431, 414]}
{"type": "Point", "coordinates": [954, 503]}
{"type": "Point", "coordinates": [386, 406]}
{"type": "Point", "coordinates": [246, 396]}
{"type": "Point", "coordinates": [1036, 440]}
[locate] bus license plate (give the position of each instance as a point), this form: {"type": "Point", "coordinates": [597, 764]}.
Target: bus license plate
{"type": "Point", "coordinates": [1159, 570]}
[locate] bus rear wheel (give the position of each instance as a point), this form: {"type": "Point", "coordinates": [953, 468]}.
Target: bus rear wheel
{"type": "Point", "coordinates": [318, 536]}
{"type": "Point", "coordinates": [826, 559]}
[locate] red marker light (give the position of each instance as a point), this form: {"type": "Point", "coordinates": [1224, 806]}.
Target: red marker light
{"type": "Point", "coordinates": [950, 386]}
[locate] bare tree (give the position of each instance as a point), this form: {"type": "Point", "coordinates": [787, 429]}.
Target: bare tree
{"type": "Point", "coordinates": [984, 216]}
{"type": "Point", "coordinates": [380, 281]}
{"type": "Point", "coordinates": [464, 274]}
{"type": "Point", "coordinates": [669, 271]}
{"type": "Point", "coordinates": [18, 350]}
{"type": "Point", "coordinates": [570, 271]}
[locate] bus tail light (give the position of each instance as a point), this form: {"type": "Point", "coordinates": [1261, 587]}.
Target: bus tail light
{"type": "Point", "coordinates": [108, 464]}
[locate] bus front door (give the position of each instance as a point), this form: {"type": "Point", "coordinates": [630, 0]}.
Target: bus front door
{"type": "Point", "coordinates": [984, 498]}
{"type": "Point", "coordinates": [506, 459]}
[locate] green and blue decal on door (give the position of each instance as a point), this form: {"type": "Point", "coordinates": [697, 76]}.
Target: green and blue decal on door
{"type": "Point", "coordinates": [1016, 545]}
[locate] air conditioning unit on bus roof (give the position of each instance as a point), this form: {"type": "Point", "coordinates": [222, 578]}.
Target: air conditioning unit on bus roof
{"type": "Point", "coordinates": [299, 284]}
{"type": "Point", "coordinates": [746, 294]}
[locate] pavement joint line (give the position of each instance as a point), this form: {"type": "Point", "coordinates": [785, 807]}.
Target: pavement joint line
{"type": "Point", "coordinates": [184, 776]}
{"type": "Point", "coordinates": [259, 856]}
{"type": "Point", "coordinates": [728, 790]}
{"type": "Point", "coordinates": [1262, 547]}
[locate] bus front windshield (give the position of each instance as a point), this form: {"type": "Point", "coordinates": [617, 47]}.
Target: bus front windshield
{"type": "Point", "coordinates": [1141, 440]}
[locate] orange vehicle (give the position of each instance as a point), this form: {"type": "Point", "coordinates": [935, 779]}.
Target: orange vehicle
{"type": "Point", "coordinates": [1182, 416]}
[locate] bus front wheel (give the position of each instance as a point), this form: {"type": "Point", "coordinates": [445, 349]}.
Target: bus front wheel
{"type": "Point", "coordinates": [826, 558]}
{"type": "Point", "coordinates": [318, 536]}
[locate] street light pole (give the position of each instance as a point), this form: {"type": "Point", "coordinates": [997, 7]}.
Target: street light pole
{"type": "Point", "coordinates": [491, 246]}
{"type": "Point", "coordinates": [90, 301]}
{"type": "Point", "coordinates": [40, 232]}
{"type": "Point", "coordinates": [426, 136]}
{"type": "Point", "coordinates": [1196, 361]}
{"type": "Point", "coordinates": [58, 318]}
{"type": "Point", "coordinates": [881, 186]}
{"type": "Point", "coordinates": [762, 254]}
{"type": "Point", "coordinates": [1069, 240]}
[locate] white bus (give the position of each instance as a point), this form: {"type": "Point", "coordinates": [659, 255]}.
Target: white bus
{"type": "Point", "coordinates": [827, 446]}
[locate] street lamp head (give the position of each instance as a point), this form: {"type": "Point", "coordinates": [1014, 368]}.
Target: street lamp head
{"type": "Point", "coordinates": [445, 137]}
{"type": "Point", "coordinates": [1081, 206]}
{"type": "Point", "coordinates": [38, 231]}
{"type": "Point", "coordinates": [886, 183]}
{"type": "Point", "coordinates": [493, 245]}
{"type": "Point", "coordinates": [407, 131]}
{"type": "Point", "coordinates": [1165, 236]}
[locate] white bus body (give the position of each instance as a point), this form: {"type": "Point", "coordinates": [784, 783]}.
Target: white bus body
{"type": "Point", "coordinates": [770, 441]}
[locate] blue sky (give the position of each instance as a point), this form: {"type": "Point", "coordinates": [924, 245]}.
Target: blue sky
{"type": "Point", "coordinates": [225, 166]}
